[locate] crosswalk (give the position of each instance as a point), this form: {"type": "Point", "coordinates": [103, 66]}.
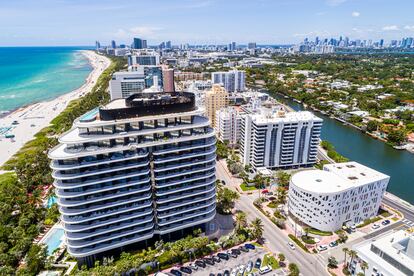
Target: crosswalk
{"type": "Point", "coordinates": [408, 222]}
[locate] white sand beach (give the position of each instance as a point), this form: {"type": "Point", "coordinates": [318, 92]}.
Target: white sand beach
{"type": "Point", "coordinates": [32, 118]}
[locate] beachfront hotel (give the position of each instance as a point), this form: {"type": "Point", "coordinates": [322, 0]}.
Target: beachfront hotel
{"type": "Point", "coordinates": [342, 194]}
{"type": "Point", "coordinates": [273, 138]}
{"type": "Point", "coordinates": [134, 170]}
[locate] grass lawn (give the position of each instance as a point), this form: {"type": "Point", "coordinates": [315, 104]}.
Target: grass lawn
{"type": "Point", "coordinates": [270, 261]}
{"type": "Point", "coordinates": [256, 244]}
{"type": "Point", "coordinates": [384, 213]}
{"type": "Point", "coordinates": [319, 232]}
{"type": "Point", "coordinates": [245, 188]}
{"type": "Point", "coordinates": [395, 219]}
{"type": "Point", "coordinates": [369, 221]}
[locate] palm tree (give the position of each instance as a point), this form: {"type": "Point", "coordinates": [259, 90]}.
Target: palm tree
{"type": "Point", "coordinates": [353, 254]}
{"type": "Point", "coordinates": [364, 266]}
{"type": "Point", "coordinates": [346, 251]}
{"type": "Point", "coordinates": [257, 228]}
{"type": "Point", "coordinates": [241, 221]}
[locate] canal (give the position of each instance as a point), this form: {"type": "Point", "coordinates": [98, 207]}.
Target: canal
{"type": "Point", "coordinates": [359, 147]}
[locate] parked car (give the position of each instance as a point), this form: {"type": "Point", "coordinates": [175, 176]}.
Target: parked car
{"type": "Point", "coordinates": [250, 246]}
{"type": "Point", "coordinates": [226, 273]}
{"type": "Point", "coordinates": [242, 268]}
{"type": "Point", "coordinates": [353, 228]}
{"type": "Point", "coordinates": [375, 226]}
{"type": "Point", "coordinates": [333, 244]}
{"type": "Point", "coordinates": [386, 222]}
{"type": "Point", "coordinates": [219, 274]}
{"type": "Point", "coordinates": [200, 263]}
{"type": "Point", "coordinates": [322, 247]}
{"type": "Point", "coordinates": [249, 266]}
{"type": "Point", "coordinates": [186, 270]}
{"type": "Point", "coordinates": [265, 269]}
{"type": "Point", "coordinates": [234, 272]}
{"type": "Point", "coordinates": [237, 251]}
{"type": "Point", "coordinates": [175, 272]}
{"type": "Point", "coordinates": [291, 245]}
{"type": "Point", "coordinates": [193, 266]}
{"type": "Point", "coordinates": [258, 263]}
{"type": "Point", "coordinates": [243, 248]}
{"type": "Point", "coordinates": [211, 274]}
{"type": "Point", "coordinates": [216, 259]}
{"type": "Point", "coordinates": [223, 256]}
{"type": "Point", "coordinates": [233, 254]}
{"type": "Point", "coordinates": [209, 261]}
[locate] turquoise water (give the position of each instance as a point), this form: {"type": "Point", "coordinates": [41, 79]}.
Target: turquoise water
{"type": "Point", "coordinates": [51, 200]}
{"type": "Point", "coordinates": [33, 74]}
{"type": "Point", "coordinates": [53, 240]}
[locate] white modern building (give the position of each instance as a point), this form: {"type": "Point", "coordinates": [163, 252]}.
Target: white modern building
{"type": "Point", "coordinates": [340, 194]}
{"type": "Point", "coordinates": [389, 255]}
{"type": "Point", "coordinates": [144, 58]}
{"type": "Point", "coordinates": [131, 171]}
{"type": "Point", "coordinates": [126, 83]}
{"type": "Point", "coordinates": [227, 125]}
{"type": "Point", "coordinates": [273, 138]}
{"type": "Point", "coordinates": [233, 81]}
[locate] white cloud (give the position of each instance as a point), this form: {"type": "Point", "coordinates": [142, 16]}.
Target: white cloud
{"type": "Point", "coordinates": [409, 28]}
{"type": "Point", "coordinates": [335, 2]}
{"type": "Point", "coordinates": [144, 31]}
{"type": "Point", "coordinates": [355, 14]}
{"type": "Point", "coordinates": [390, 28]}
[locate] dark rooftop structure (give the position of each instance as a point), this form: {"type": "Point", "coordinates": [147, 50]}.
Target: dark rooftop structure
{"type": "Point", "coordinates": [147, 104]}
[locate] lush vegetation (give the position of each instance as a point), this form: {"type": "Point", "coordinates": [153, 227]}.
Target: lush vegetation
{"type": "Point", "coordinates": [318, 232]}
{"type": "Point", "coordinates": [298, 242]}
{"type": "Point", "coordinates": [270, 260]}
{"type": "Point", "coordinates": [330, 149]}
{"type": "Point", "coordinates": [22, 215]}
{"type": "Point", "coordinates": [368, 221]}
{"type": "Point", "coordinates": [226, 199]}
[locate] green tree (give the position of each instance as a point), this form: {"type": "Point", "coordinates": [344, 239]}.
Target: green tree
{"type": "Point", "coordinates": [226, 199]}
{"type": "Point", "coordinates": [240, 221]}
{"type": "Point", "coordinates": [293, 269]}
{"type": "Point", "coordinates": [364, 266]}
{"type": "Point", "coordinates": [281, 257]}
{"type": "Point", "coordinates": [257, 228]}
{"type": "Point", "coordinates": [372, 125]}
{"type": "Point", "coordinates": [396, 136]}
{"type": "Point", "coordinates": [36, 258]}
{"type": "Point", "coordinates": [332, 262]}
{"type": "Point", "coordinates": [346, 251]}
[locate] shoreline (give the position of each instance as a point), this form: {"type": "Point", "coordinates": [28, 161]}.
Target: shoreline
{"type": "Point", "coordinates": [34, 117]}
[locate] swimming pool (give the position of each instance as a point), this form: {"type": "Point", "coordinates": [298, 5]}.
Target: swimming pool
{"type": "Point", "coordinates": [53, 239]}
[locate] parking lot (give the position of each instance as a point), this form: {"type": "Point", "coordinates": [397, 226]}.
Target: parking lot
{"type": "Point", "coordinates": [242, 259]}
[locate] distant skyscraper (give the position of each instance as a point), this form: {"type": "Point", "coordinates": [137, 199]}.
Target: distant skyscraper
{"type": "Point", "coordinates": [168, 80]}
{"type": "Point", "coordinates": [251, 45]}
{"type": "Point", "coordinates": [113, 44]}
{"type": "Point", "coordinates": [137, 44]}
{"type": "Point", "coordinates": [97, 45]}
{"type": "Point", "coordinates": [144, 44]}
{"type": "Point", "coordinates": [168, 44]}
{"type": "Point", "coordinates": [381, 43]}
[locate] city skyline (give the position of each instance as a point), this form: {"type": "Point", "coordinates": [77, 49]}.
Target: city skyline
{"type": "Point", "coordinates": [280, 22]}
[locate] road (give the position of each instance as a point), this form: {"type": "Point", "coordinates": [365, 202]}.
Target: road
{"type": "Point", "coordinates": [275, 239]}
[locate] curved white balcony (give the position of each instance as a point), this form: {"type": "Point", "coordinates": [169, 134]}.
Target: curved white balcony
{"type": "Point", "coordinates": [74, 203]}
{"type": "Point", "coordinates": [62, 194]}
{"type": "Point", "coordinates": [195, 145]}
{"type": "Point", "coordinates": [79, 236]}
{"type": "Point", "coordinates": [73, 136]}
{"type": "Point", "coordinates": [74, 219]}
{"type": "Point", "coordinates": [58, 183]}
{"type": "Point", "coordinates": [169, 206]}
{"type": "Point", "coordinates": [179, 165]}
{"type": "Point", "coordinates": [60, 176]}
{"type": "Point", "coordinates": [60, 152]}
{"type": "Point", "coordinates": [184, 188]}
{"type": "Point", "coordinates": [197, 206]}
{"type": "Point", "coordinates": [185, 172]}
{"type": "Point", "coordinates": [184, 180]}
{"type": "Point", "coordinates": [186, 224]}
{"type": "Point", "coordinates": [102, 247]}
{"type": "Point", "coordinates": [85, 243]}
{"type": "Point", "coordinates": [208, 151]}
{"type": "Point", "coordinates": [182, 195]}
{"type": "Point", "coordinates": [181, 217]}
{"type": "Point", "coordinates": [98, 207]}
{"type": "Point", "coordinates": [56, 166]}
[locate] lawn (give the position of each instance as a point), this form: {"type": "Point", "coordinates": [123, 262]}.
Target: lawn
{"type": "Point", "coordinates": [384, 214]}
{"type": "Point", "coordinates": [319, 232]}
{"type": "Point", "coordinates": [245, 188]}
{"type": "Point", "coordinates": [368, 221]}
{"type": "Point", "coordinates": [257, 244]}
{"type": "Point", "coordinates": [270, 261]}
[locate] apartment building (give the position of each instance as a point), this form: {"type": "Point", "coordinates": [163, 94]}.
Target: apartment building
{"type": "Point", "coordinates": [273, 138]}
{"type": "Point", "coordinates": [132, 171]}
{"type": "Point", "coordinates": [215, 99]}
{"type": "Point", "coordinates": [233, 81]}
{"type": "Point", "coordinates": [228, 121]}
{"type": "Point", "coordinates": [340, 194]}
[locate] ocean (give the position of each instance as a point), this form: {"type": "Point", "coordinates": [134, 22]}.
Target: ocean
{"type": "Point", "coordinates": [33, 74]}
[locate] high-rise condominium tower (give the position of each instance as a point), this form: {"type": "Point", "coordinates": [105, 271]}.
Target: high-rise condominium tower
{"type": "Point", "coordinates": [135, 169]}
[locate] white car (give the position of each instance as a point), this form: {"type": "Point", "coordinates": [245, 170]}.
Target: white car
{"type": "Point", "coordinates": [234, 272]}
{"type": "Point", "coordinates": [242, 268]}
{"type": "Point", "coordinates": [322, 248]}
{"type": "Point", "coordinates": [291, 245]}
{"type": "Point", "coordinates": [375, 226]}
{"type": "Point", "coordinates": [193, 266]}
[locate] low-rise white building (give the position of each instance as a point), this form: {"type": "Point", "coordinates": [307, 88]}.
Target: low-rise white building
{"type": "Point", "coordinates": [389, 255]}
{"type": "Point", "coordinates": [340, 194]}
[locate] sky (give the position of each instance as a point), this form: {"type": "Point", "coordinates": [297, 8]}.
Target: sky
{"type": "Point", "coordinates": [81, 22]}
